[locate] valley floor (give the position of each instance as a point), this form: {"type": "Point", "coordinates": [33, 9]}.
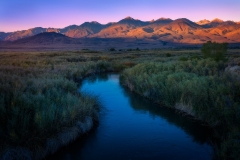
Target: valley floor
{"type": "Point", "coordinates": [40, 101]}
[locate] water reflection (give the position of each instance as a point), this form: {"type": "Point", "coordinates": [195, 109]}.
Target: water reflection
{"type": "Point", "coordinates": [198, 132]}
{"type": "Point", "coordinates": [131, 127]}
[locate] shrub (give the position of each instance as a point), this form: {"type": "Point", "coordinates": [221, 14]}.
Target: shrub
{"type": "Point", "coordinates": [195, 57]}
{"type": "Point", "coordinates": [183, 59]}
{"type": "Point", "coordinates": [214, 50]}
{"type": "Point", "coordinates": [168, 55]}
{"type": "Point", "coordinates": [112, 49]}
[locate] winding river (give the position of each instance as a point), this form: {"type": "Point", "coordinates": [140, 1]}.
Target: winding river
{"type": "Point", "coordinates": [133, 128]}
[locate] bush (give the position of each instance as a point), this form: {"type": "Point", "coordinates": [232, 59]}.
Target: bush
{"type": "Point", "coordinates": [183, 59]}
{"type": "Point", "coordinates": [214, 50]}
{"type": "Point", "coordinates": [195, 57]}
{"type": "Point", "coordinates": [168, 55]}
{"type": "Point", "coordinates": [112, 49]}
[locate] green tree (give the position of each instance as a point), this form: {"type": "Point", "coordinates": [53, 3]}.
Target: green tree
{"type": "Point", "coordinates": [214, 50]}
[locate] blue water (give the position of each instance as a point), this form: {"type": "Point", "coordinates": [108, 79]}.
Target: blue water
{"type": "Point", "coordinates": [133, 128]}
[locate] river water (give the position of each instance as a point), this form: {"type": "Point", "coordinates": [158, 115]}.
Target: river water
{"type": "Point", "coordinates": [133, 128]}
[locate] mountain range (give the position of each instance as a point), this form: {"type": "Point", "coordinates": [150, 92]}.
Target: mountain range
{"type": "Point", "coordinates": [164, 29]}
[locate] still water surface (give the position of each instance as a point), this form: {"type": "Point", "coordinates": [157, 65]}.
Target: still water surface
{"type": "Point", "coordinates": [133, 128]}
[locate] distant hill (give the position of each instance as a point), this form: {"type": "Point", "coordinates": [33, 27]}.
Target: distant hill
{"type": "Point", "coordinates": [203, 22]}
{"type": "Point", "coordinates": [163, 29]}
{"type": "Point", "coordinates": [58, 41]}
{"type": "Point", "coordinates": [45, 38]}
{"type": "Point", "coordinates": [3, 35]}
{"type": "Point", "coordinates": [25, 33]}
{"type": "Point", "coordinates": [121, 28]}
{"type": "Point", "coordinates": [85, 30]}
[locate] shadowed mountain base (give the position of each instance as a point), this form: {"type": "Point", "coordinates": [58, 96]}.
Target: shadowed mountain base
{"type": "Point", "coordinates": [56, 41]}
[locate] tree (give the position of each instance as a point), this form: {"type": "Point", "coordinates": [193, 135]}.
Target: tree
{"type": "Point", "coordinates": [112, 49]}
{"type": "Point", "coordinates": [214, 50]}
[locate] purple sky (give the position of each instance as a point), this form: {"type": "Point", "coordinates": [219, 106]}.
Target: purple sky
{"type": "Point", "coordinates": [24, 14]}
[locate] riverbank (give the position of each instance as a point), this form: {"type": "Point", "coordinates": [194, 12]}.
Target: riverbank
{"type": "Point", "coordinates": [52, 144]}
{"type": "Point", "coordinates": [42, 110]}
{"type": "Point", "coordinates": [200, 88]}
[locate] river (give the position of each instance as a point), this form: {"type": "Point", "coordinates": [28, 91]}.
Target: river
{"type": "Point", "coordinates": [133, 128]}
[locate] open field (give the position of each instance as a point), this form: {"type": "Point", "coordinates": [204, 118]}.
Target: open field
{"type": "Point", "coordinates": [40, 101]}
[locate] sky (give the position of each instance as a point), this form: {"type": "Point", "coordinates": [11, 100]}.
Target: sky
{"type": "Point", "coordinates": [24, 14]}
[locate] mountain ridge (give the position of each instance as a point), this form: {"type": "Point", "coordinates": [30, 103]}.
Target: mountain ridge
{"type": "Point", "coordinates": [56, 41]}
{"type": "Point", "coordinates": [180, 30]}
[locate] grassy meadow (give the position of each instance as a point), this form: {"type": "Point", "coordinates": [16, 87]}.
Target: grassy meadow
{"type": "Point", "coordinates": [40, 102]}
